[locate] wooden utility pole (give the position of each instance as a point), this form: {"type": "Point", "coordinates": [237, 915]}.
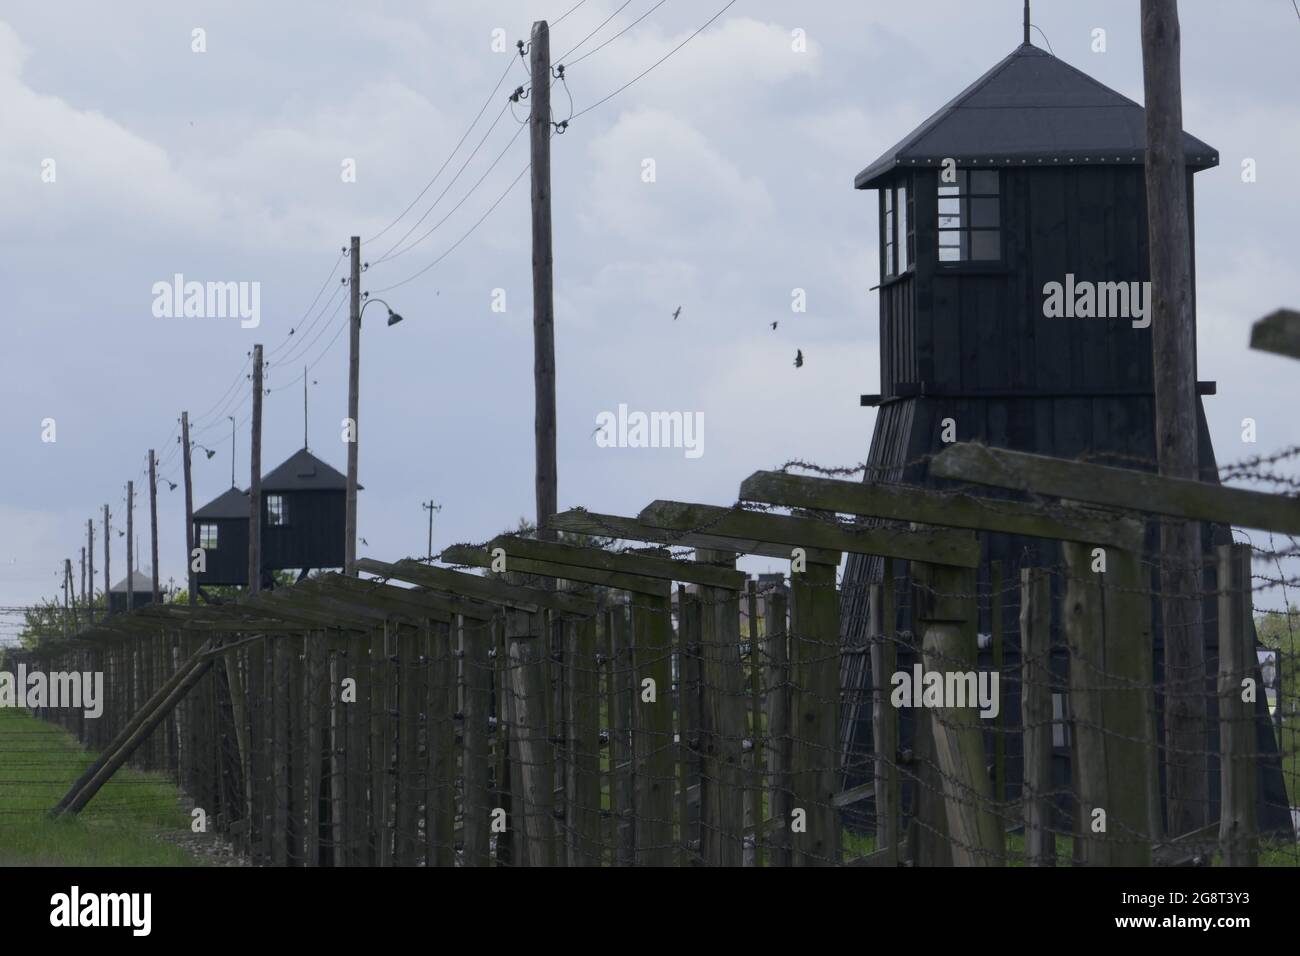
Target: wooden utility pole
{"type": "Point", "coordinates": [108, 581]}
{"type": "Point", "coordinates": [543, 279]}
{"type": "Point", "coordinates": [130, 546]}
{"type": "Point", "coordinates": [83, 576]}
{"type": "Point", "coordinates": [354, 387]}
{"type": "Point", "coordinates": [255, 482]}
{"type": "Point", "coordinates": [67, 575]}
{"type": "Point", "coordinates": [90, 569]}
{"type": "Point", "coordinates": [189, 507]}
{"type": "Point", "coordinates": [153, 520]}
{"type": "Point", "coordinates": [1173, 327]}
{"type": "Point", "coordinates": [431, 508]}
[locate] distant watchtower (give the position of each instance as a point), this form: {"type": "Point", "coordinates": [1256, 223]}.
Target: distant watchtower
{"type": "Point", "coordinates": [302, 523]}
{"type": "Point", "coordinates": [1032, 176]}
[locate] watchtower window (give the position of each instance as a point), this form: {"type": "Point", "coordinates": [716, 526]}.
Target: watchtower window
{"type": "Point", "coordinates": [897, 235]}
{"type": "Point", "coordinates": [277, 513]}
{"type": "Point", "coordinates": [970, 217]}
{"type": "Point", "coordinates": [208, 537]}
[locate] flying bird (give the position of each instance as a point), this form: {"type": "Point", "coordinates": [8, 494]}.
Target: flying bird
{"type": "Point", "coordinates": [798, 358]}
{"type": "Point", "coordinates": [677, 313]}
{"type": "Point", "coordinates": [365, 542]}
{"type": "Point", "coordinates": [774, 326]}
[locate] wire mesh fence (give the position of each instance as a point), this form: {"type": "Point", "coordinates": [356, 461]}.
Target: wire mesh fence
{"type": "Point", "coordinates": [1005, 705]}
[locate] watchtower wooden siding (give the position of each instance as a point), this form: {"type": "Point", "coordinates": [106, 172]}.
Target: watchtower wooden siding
{"type": "Point", "coordinates": [979, 327]}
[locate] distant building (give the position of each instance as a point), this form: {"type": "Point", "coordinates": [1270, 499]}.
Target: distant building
{"type": "Point", "coordinates": [141, 593]}
{"type": "Point", "coordinates": [303, 511]}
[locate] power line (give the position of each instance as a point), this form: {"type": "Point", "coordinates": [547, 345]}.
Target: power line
{"type": "Point", "coordinates": [658, 62]}
{"type": "Point", "coordinates": [624, 30]}
{"type": "Point", "coordinates": [307, 311]}
{"type": "Point", "coordinates": [565, 57]}
{"type": "Point", "coordinates": [391, 254]}
{"type": "Point", "coordinates": [452, 247]}
{"type": "Point", "coordinates": [451, 155]}
{"type": "Point", "coordinates": [293, 354]}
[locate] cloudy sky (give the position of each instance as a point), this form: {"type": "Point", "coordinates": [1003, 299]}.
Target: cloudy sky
{"type": "Point", "coordinates": [226, 165]}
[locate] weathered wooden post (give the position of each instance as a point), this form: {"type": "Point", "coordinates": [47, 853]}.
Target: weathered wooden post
{"type": "Point", "coordinates": [754, 808]}
{"type": "Point", "coordinates": [815, 663]}
{"type": "Point", "coordinates": [652, 722]}
{"type": "Point", "coordinates": [358, 750]}
{"type": "Point", "coordinates": [337, 649]}
{"type": "Point", "coordinates": [584, 741]}
{"type": "Point", "coordinates": [381, 746]}
{"type": "Point", "coordinates": [780, 740]}
{"type": "Point", "coordinates": [1238, 831]}
{"type": "Point", "coordinates": [688, 709]}
{"type": "Point", "coordinates": [1107, 620]}
{"type": "Point", "coordinates": [948, 614]}
{"type": "Point", "coordinates": [884, 716]}
{"type": "Point", "coordinates": [440, 743]}
{"type": "Point", "coordinates": [536, 759]}
{"type": "Point", "coordinates": [722, 782]}
{"type": "Point", "coordinates": [620, 754]}
{"type": "Point", "coordinates": [1036, 714]}
{"type": "Point", "coordinates": [313, 741]}
{"type": "Point", "coordinates": [413, 781]}
{"type": "Point", "coordinates": [476, 639]}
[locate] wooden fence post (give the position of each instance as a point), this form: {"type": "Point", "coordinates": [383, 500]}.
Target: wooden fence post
{"type": "Point", "coordinates": [1036, 715]}
{"type": "Point", "coordinates": [476, 639]}
{"type": "Point", "coordinates": [381, 747]}
{"type": "Point", "coordinates": [535, 757]}
{"type": "Point", "coordinates": [1107, 620]}
{"type": "Point", "coordinates": [948, 613]}
{"type": "Point", "coordinates": [722, 780]}
{"type": "Point", "coordinates": [780, 741]}
{"type": "Point", "coordinates": [754, 810]}
{"type": "Point", "coordinates": [652, 723]}
{"type": "Point", "coordinates": [815, 664]}
{"type": "Point", "coordinates": [584, 741]}
{"type": "Point", "coordinates": [440, 746]}
{"type": "Point", "coordinates": [1238, 832]}
{"type": "Point", "coordinates": [313, 742]}
{"type": "Point", "coordinates": [688, 708]}
{"type": "Point", "coordinates": [358, 750]}
{"type": "Point", "coordinates": [884, 716]}
{"type": "Point", "coordinates": [413, 780]}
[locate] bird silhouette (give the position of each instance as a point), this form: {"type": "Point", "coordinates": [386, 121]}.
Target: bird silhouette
{"type": "Point", "coordinates": [365, 542]}
{"type": "Point", "coordinates": [677, 313]}
{"type": "Point", "coordinates": [773, 326]}
{"type": "Point", "coordinates": [798, 358]}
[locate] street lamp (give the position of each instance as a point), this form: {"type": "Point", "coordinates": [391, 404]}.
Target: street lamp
{"type": "Point", "coordinates": [354, 383]}
{"type": "Point", "coordinates": [393, 317]}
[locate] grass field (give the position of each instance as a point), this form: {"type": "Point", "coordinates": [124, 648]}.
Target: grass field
{"type": "Point", "coordinates": [125, 825]}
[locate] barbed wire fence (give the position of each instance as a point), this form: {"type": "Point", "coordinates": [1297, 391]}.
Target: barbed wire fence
{"type": "Point", "coordinates": [633, 721]}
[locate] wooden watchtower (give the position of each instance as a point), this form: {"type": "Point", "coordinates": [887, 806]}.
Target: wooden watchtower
{"type": "Point", "coordinates": [1032, 175]}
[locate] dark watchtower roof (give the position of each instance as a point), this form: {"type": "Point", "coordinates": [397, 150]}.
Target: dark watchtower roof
{"type": "Point", "coordinates": [303, 471]}
{"type": "Point", "coordinates": [231, 503]}
{"type": "Point", "coordinates": [140, 584]}
{"type": "Point", "coordinates": [1031, 109]}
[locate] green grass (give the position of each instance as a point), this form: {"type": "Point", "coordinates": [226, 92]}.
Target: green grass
{"type": "Point", "coordinates": [124, 825]}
